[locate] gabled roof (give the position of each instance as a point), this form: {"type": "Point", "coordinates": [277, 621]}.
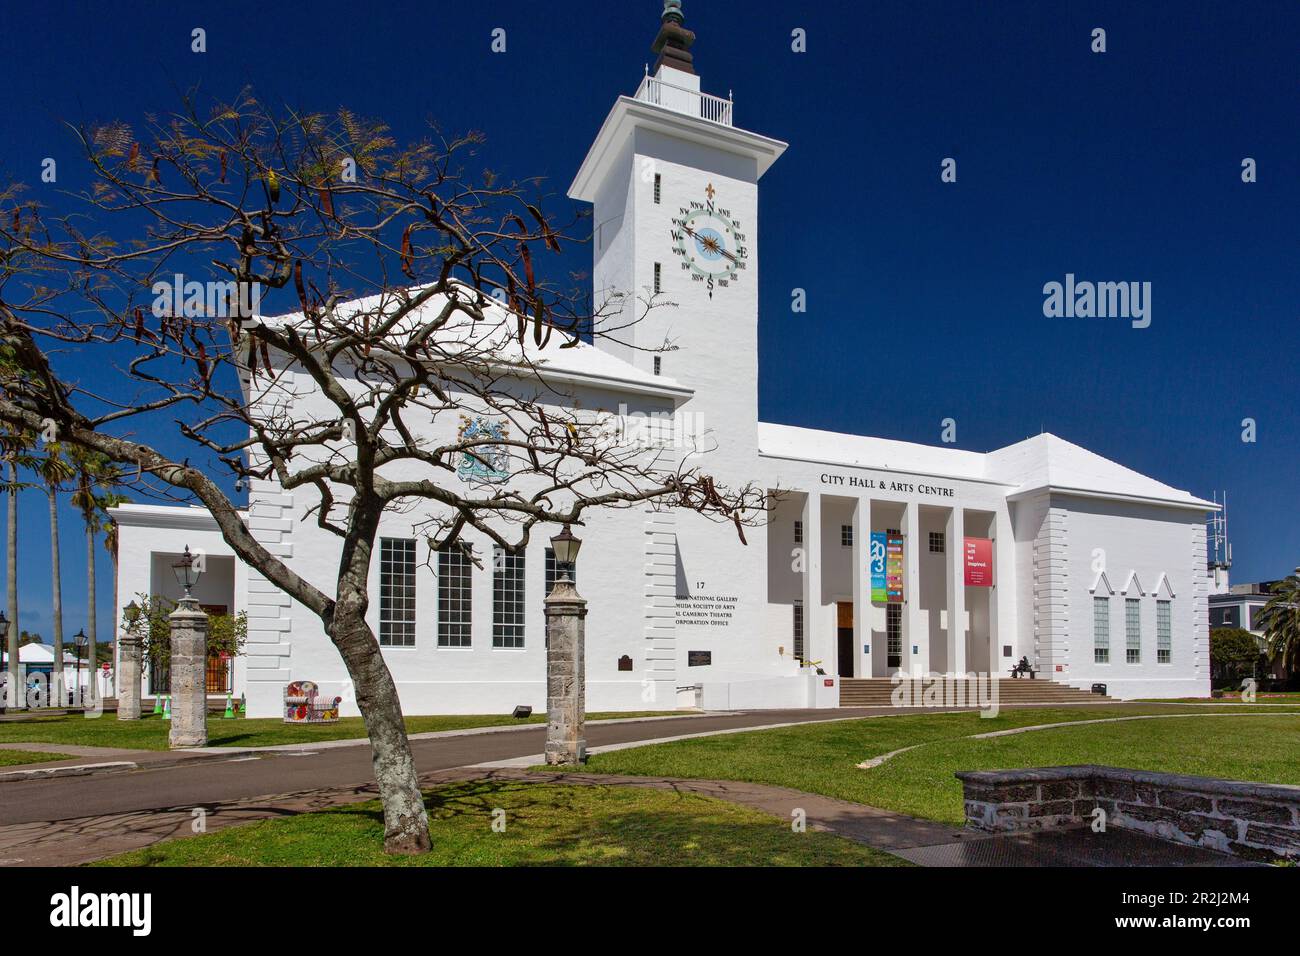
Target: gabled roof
{"type": "Point", "coordinates": [1043, 462]}
{"type": "Point", "coordinates": [584, 362]}
{"type": "Point", "coordinates": [1046, 462]}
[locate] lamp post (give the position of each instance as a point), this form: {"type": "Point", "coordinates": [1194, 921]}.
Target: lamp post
{"type": "Point", "coordinates": [565, 664]}
{"type": "Point", "coordinates": [128, 666]}
{"type": "Point", "coordinates": [187, 572]}
{"type": "Point", "coordinates": [79, 641]}
{"type": "Point", "coordinates": [189, 658]}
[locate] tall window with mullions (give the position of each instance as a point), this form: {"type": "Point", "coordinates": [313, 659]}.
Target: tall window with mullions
{"type": "Point", "coordinates": [454, 597]}
{"type": "Point", "coordinates": [397, 592]}
{"type": "Point", "coordinates": [507, 599]}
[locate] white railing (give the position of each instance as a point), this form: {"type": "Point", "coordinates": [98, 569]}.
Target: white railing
{"type": "Point", "coordinates": [692, 102]}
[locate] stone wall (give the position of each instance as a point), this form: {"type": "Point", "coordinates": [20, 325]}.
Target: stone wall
{"type": "Point", "coordinates": [1252, 820]}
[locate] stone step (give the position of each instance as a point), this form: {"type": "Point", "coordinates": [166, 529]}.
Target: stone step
{"type": "Point", "coordinates": [878, 692]}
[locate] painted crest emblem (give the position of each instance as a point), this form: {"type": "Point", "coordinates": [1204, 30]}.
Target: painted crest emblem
{"type": "Point", "coordinates": [483, 462]}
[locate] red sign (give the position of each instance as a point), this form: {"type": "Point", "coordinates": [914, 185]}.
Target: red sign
{"type": "Point", "coordinates": [979, 562]}
{"type": "Point", "coordinates": [829, 682]}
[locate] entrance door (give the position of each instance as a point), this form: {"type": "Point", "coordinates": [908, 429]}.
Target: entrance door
{"type": "Point", "coordinates": [844, 630]}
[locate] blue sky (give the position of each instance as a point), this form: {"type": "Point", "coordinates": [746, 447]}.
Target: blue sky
{"type": "Point", "coordinates": [925, 298]}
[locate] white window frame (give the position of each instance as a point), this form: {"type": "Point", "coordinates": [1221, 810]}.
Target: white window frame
{"type": "Point", "coordinates": [396, 611]}
{"type": "Point", "coordinates": [1132, 631]}
{"type": "Point", "coordinates": [1164, 632]}
{"type": "Point", "coordinates": [508, 601]}
{"type": "Point", "coordinates": [1100, 629]}
{"type": "Point", "coordinates": [455, 598]}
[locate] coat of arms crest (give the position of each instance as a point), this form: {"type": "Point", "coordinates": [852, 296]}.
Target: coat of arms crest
{"type": "Point", "coordinates": [483, 462]}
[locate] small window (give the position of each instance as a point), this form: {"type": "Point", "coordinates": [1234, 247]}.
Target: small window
{"type": "Point", "coordinates": [936, 542]}
{"type": "Point", "coordinates": [658, 187]}
{"type": "Point", "coordinates": [846, 535]}
{"type": "Point", "coordinates": [658, 274]}
{"type": "Point", "coordinates": [1100, 630]}
{"type": "Point", "coordinates": [659, 364]}
{"type": "Point", "coordinates": [397, 592]}
{"type": "Point", "coordinates": [1164, 633]}
{"type": "Point", "coordinates": [798, 532]}
{"type": "Point", "coordinates": [1133, 631]}
{"type": "Point", "coordinates": [798, 630]}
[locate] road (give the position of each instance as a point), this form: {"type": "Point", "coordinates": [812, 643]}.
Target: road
{"type": "Point", "coordinates": [207, 783]}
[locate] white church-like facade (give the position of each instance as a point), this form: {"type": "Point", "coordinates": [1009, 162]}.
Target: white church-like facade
{"type": "Point", "coordinates": [875, 557]}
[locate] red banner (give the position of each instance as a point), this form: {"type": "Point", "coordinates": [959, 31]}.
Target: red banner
{"type": "Point", "coordinates": [979, 562]}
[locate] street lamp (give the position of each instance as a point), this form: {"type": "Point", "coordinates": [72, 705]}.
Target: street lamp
{"type": "Point", "coordinates": [80, 641]}
{"type": "Point", "coordinates": [566, 547]}
{"type": "Point", "coordinates": [187, 572]}
{"type": "Point", "coordinates": [132, 612]}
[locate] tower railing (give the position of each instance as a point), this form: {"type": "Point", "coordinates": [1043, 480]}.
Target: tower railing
{"type": "Point", "coordinates": [716, 109]}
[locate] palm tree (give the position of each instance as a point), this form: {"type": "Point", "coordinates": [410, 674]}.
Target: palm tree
{"type": "Point", "coordinates": [1280, 622]}
{"type": "Point", "coordinates": [96, 476]}
{"type": "Point", "coordinates": [15, 448]}
{"type": "Point", "coordinates": [55, 470]}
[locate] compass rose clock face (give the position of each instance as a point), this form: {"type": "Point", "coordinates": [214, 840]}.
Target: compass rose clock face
{"type": "Point", "coordinates": [709, 243]}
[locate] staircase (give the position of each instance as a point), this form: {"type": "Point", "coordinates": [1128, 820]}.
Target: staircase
{"type": "Point", "coordinates": [878, 692]}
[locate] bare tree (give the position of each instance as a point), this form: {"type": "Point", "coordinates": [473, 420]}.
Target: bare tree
{"type": "Point", "coordinates": [415, 295]}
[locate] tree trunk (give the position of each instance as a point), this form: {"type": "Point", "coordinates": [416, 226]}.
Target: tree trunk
{"type": "Point", "coordinates": [406, 823]}
{"type": "Point", "coordinates": [92, 662]}
{"type": "Point", "coordinates": [16, 697]}
{"type": "Point", "coordinates": [57, 695]}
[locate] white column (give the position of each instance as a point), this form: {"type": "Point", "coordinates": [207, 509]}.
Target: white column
{"type": "Point", "coordinates": [916, 633]}
{"type": "Point", "coordinates": [1002, 603]}
{"type": "Point", "coordinates": [956, 534]}
{"type": "Point", "coordinates": [861, 590]}
{"type": "Point", "coordinates": [815, 638]}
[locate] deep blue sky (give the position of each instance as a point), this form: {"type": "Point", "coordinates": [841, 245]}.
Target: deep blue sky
{"type": "Point", "coordinates": [925, 298]}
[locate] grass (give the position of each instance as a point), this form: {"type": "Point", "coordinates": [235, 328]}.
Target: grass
{"type": "Point", "coordinates": [821, 758]}
{"type": "Point", "coordinates": [150, 732]}
{"type": "Point", "coordinates": [545, 825]}
{"type": "Point", "coordinates": [15, 758]}
{"type": "Point", "coordinates": [1234, 697]}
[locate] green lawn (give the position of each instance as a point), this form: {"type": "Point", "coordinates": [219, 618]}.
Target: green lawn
{"type": "Point", "coordinates": [821, 758]}
{"type": "Point", "coordinates": [1234, 697]}
{"type": "Point", "coordinates": [14, 758]}
{"type": "Point", "coordinates": [150, 732]}
{"type": "Point", "coordinates": [545, 825]}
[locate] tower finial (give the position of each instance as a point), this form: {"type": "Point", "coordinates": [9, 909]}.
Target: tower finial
{"type": "Point", "coordinates": [673, 44]}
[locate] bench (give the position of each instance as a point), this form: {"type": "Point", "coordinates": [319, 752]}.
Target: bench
{"type": "Point", "coordinates": [303, 704]}
{"type": "Point", "coordinates": [1023, 668]}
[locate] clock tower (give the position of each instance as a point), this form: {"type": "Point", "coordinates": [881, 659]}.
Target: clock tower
{"type": "Point", "coordinates": [674, 188]}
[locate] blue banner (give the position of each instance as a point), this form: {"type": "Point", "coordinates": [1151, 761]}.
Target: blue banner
{"type": "Point", "coordinates": [876, 562]}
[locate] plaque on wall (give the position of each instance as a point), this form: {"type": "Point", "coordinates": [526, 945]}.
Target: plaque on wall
{"type": "Point", "coordinates": [699, 658]}
{"type": "Point", "coordinates": [625, 663]}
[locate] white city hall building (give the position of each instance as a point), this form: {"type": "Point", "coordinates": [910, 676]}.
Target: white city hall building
{"type": "Point", "coordinates": [876, 557]}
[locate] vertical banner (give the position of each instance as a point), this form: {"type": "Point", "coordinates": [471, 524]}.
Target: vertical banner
{"type": "Point", "coordinates": [876, 564]}
{"type": "Point", "coordinates": [894, 569]}
{"type": "Point", "coordinates": [979, 562]}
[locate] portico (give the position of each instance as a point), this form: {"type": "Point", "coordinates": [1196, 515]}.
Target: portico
{"type": "Point", "coordinates": [821, 563]}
